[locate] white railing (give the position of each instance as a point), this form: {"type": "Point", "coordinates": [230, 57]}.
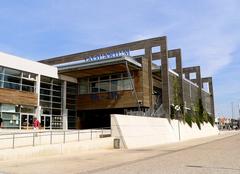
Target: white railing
{"type": "Point", "coordinates": [36, 138]}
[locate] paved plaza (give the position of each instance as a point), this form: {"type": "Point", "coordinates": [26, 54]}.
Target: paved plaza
{"type": "Point", "coordinates": [218, 154]}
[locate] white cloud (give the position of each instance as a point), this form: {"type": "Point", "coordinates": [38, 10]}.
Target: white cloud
{"type": "Point", "coordinates": [204, 35]}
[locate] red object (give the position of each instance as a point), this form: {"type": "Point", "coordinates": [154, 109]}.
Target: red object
{"type": "Point", "coordinates": [36, 123]}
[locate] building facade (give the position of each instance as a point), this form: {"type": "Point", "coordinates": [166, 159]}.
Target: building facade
{"type": "Point", "coordinates": [82, 90]}
{"type": "Point", "coordinates": [30, 89]}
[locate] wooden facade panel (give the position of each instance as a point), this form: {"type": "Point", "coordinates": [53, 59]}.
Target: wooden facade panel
{"type": "Point", "coordinates": [137, 81]}
{"type": "Point", "coordinates": [121, 99]}
{"type": "Point", "coordinates": [145, 82]}
{"type": "Point", "coordinates": [97, 71]}
{"type": "Point", "coordinates": [10, 96]}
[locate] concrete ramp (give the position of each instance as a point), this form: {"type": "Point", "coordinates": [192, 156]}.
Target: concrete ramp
{"type": "Point", "coordinates": [56, 149]}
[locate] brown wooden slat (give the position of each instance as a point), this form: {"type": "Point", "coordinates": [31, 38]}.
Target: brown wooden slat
{"type": "Point", "coordinates": [10, 96]}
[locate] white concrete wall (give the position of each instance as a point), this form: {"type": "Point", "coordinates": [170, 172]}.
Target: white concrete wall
{"type": "Point", "coordinates": [19, 63]}
{"type": "Point", "coordinates": [139, 131]}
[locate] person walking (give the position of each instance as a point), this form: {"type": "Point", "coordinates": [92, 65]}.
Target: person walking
{"type": "Point", "coordinates": [36, 124]}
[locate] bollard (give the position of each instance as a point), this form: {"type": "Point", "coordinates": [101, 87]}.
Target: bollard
{"type": "Point", "coordinates": [13, 143]}
{"type": "Point", "coordinates": [116, 143]}
{"type": "Point", "coordinates": [102, 132]}
{"type": "Point", "coordinates": [91, 134]}
{"type": "Point", "coordinates": [64, 137]}
{"type": "Point", "coordinates": [51, 137]}
{"type": "Point", "coordinates": [33, 139]}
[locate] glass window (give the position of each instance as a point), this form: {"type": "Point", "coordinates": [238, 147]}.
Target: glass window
{"type": "Point", "coordinates": [27, 88]}
{"type": "Point", "coordinates": [28, 82]}
{"type": "Point", "coordinates": [12, 72]}
{"type": "Point", "coordinates": [56, 93]}
{"type": "Point", "coordinates": [46, 111]}
{"type": "Point", "coordinates": [1, 69]}
{"type": "Point", "coordinates": [11, 85]}
{"type": "Point", "coordinates": [29, 75]}
{"type": "Point", "coordinates": [72, 90]}
{"type": "Point", "coordinates": [45, 85]}
{"type": "Point", "coordinates": [57, 82]}
{"type": "Point", "coordinates": [94, 87]}
{"type": "Point", "coordinates": [56, 105]}
{"type": "Point", "coordinates": [71, 85]}
{"type": "Point", "coordinates": [116, 76]}
{"type": "Point", "coordinates": [44, 97]}
{"type": "Point", "coordinates": [12, 79]}
{"type": "Point", "coordinates": [57, 88]}
{"type": "Point", "coordinates": [56, 111]}
{"type": "Point", "coordinates": [28, 85]}
{"type": "Point", "coordinates": [26, 75]}
{"type": "Point", "coordinates": [8, 108]}
{"type": "Point", "coordinates": [27, 109]}
{"type": "Point", "coordinates": [116, 85]}
{"type": "Point", "coordinates": [45, 104]}
{"type": "Point", "coordinates": [33, 76]}
{"type": "Point", "coordinates": [45, 91]}
{"type": "Point", "coordinates": [127, 84]}
{"type": "Point", "coordinates": [117, 82]}
{"type": "Point", "coordinates": [104, 86]}
{"type": "Point", "coordinates": [83, 86]}
{"type": "Point", "coordinates": [56, 99]}
{"type": "Point", "coordinates": [46, 79]}
{"type": "Point", "coordinates": [11, 120]}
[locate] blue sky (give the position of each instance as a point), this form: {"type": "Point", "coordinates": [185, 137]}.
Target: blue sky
{"type": "Point", "coordinates": [207, 31]}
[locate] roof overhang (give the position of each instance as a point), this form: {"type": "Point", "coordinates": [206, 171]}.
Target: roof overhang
{"type": "Point", "coordinates": [103, 66]}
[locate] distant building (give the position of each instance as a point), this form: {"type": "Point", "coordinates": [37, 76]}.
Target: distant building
{"type": "Point", "coordinates": [227, 123]}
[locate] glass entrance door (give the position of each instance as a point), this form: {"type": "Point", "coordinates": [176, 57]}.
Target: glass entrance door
{"type": "Point", "coordinates": [46, 121]}
{"type": "Point", "coordinates": [27, 121]}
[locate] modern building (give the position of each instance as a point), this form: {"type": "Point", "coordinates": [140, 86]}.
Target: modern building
{"type": "Point", "coordinates": [81, 90]}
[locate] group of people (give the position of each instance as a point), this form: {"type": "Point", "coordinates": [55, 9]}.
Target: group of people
{"type": "Point", "coordinates": [36, 123]}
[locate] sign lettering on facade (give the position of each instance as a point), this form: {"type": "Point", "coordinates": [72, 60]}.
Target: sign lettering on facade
{"type": "Point", "coordinates": [108, 55]}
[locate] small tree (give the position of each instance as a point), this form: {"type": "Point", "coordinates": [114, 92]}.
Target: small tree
{"type": "Point", "coordinates": [176, 107]}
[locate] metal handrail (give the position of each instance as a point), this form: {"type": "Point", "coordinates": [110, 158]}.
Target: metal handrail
{"type": "Point", "coordinates": [37, 135]}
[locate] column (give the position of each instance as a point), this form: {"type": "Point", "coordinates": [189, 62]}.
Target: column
{"type": "Point", "coordinates": [37, 91]}
{"type": "Point", "coordinates": [148, 56]}
{"type": "Point", "coordinates": [210, 85]}
{"type": "Point", "coordinates": [180, 79]}
{"type": "Point", "coordinates": [165, 78]}
{"type": "Point", "coordinates": [64, 106]}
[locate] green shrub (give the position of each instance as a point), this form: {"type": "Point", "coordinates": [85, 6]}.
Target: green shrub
{"type": "Point", "coordinates": [211, 120]}
{"type": "Point", "coordinates": [205, 116]}
{"type": "Point", "coordinates": [198, 123]}
{"type": "Point", "coordinates": [188, 119]}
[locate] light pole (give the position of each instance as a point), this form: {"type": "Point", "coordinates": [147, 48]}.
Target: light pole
{"type": "Point", "coordinates": [232, 109]}
{"type": "Point", "coordinates": [239, 110]}
{"type": "Point", "coordinates": [178, 109]}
